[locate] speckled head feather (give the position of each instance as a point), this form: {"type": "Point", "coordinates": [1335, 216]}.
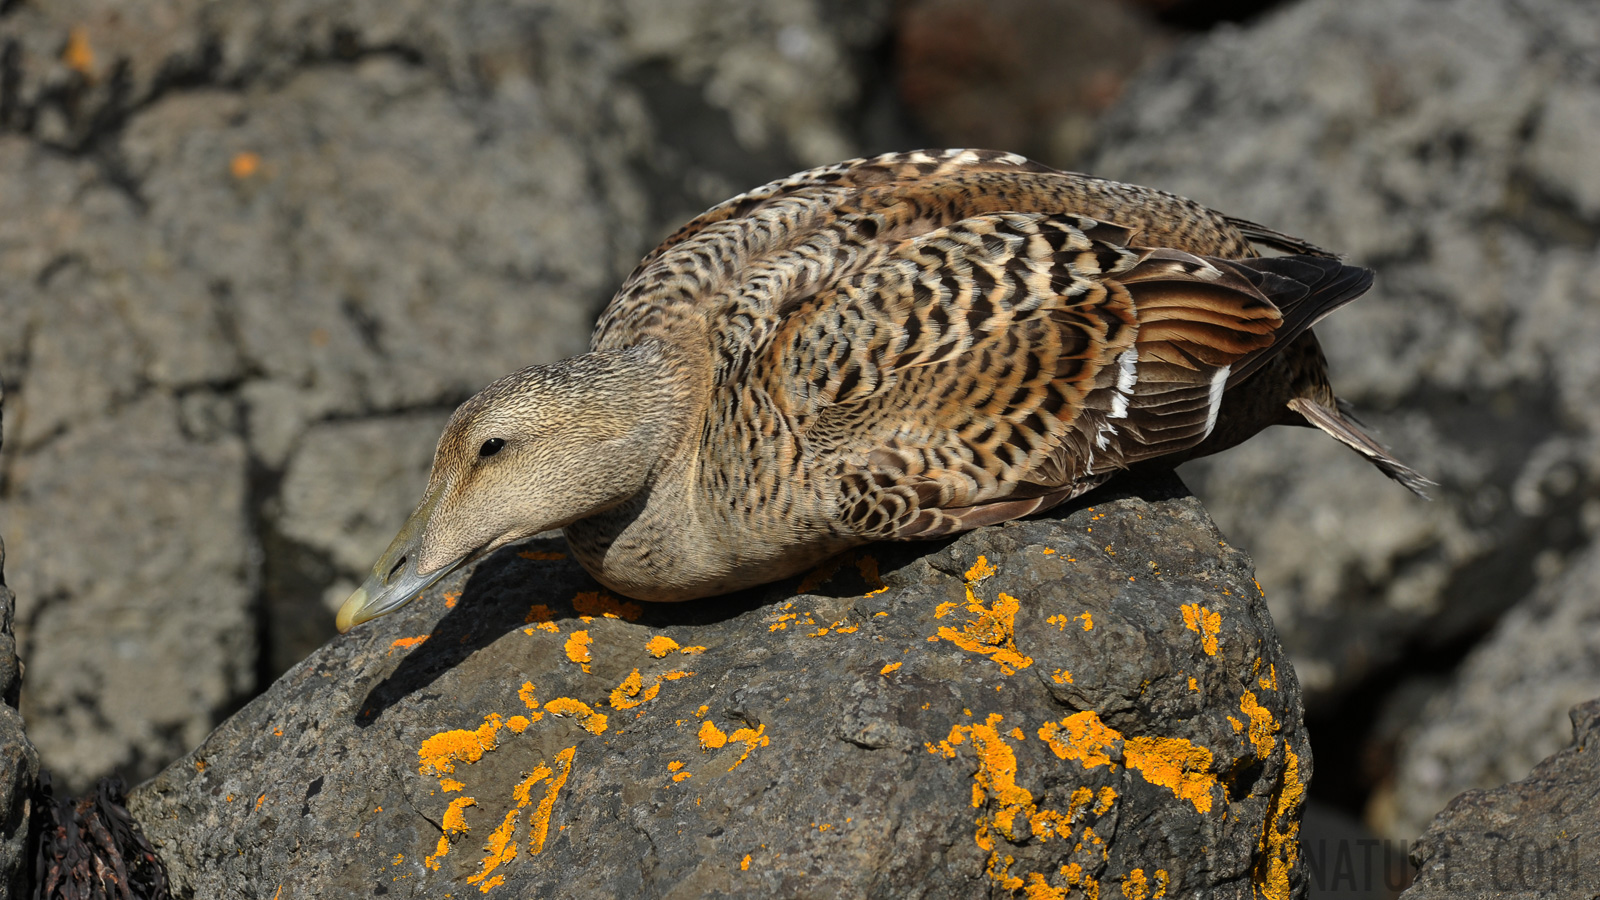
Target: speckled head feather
{"type": "Point", "coordinates": [900, 347]}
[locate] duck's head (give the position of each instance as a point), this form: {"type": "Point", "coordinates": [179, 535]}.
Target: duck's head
{"type": "Point", "coordinates": [536, 450]}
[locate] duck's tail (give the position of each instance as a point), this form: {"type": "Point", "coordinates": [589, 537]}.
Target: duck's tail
{"type": "Point", "coordinates": [1333, 421]}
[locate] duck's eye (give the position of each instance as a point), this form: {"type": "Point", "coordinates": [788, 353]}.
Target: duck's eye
{"type": "Point", "coordinates": [490, 447]}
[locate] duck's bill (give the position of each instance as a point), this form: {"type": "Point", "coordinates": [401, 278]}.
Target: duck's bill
{"type": "Point", "coordinates": [394, 581]}
{"type": "Point", "coordinates": [379, 595]}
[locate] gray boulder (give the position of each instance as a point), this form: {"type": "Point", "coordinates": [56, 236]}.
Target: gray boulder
{"type": "Point", "coordinates": [251, 250]}
{"type": "Point", "coordinates": [1093, 701]}
{"type": "Point", "coordinates": [19, 762]}
{"type": "Point", "coordinates": [1538, 837]}
{"type": "Point", "coordinates": [1449, 146]}
{"type": "Point", "coordinates": [1506, 706]}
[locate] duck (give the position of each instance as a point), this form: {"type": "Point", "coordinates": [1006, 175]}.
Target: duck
{"type": "Point", "coordinates": [902, 347]}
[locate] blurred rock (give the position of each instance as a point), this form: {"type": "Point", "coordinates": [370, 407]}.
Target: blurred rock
{"type": "Point", "coordinates": [1027, 707]}
{"type": "Point", "coordinates": [1507, 706]}
{"type": "Point", "coordinates": [138, 588]}
{"type": "Point", "coordinates": [1441, 143]}
{"type": "Point", "coordinates": [19, 762]}
{"type": "Point", "coordinates": [237, 234]}
{"type": "Point", "coordinates": [1538, 837]}
{"type": "Point", "coordinates": [1030, 76]}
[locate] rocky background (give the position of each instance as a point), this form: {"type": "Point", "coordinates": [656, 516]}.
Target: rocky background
{"type": "Point", "coordinates": [252, 254]}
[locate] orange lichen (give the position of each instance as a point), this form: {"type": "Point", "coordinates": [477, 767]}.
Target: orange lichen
{"type": "Point", "coordinates": [541, 815]}
{"type": "Point", "coordinates": [1262, 725]}
{"type": "Point", "coordinates": [1175, 764]}
{"type": "Point", "coordinates": [601, 603]}
{"type": "Point", "coordinates": [454, 821]}
{"type": "Point", "coordinates": [78, 54]}
{"type": "Point", "coordinates": [783, 621]}
{"type": "Point", "coordinates": [702, 710]}
{"type": "Point", "coordinates": [691, 651]}
{"type": "Point", "coordinates": [744, 864]}
{"type": "Point", "coordinates": [525, 694]}
{"type": "Point", "coordinates": [1083, 737]}
{"type": "Point", "coordinates": [592, 722]}
{"type": "Point", "coordinates": [1088, 621]}
{"type": "Point", "coordinates": [751, 738]}
{"type": "Point", "coordinates": [1061, 676]}
{"type": "Point", "coordinates": [577, 649]}
{"type": "Point", "coordinates": [518, 724]}
{"type": "Point", "coordinates": [632, 692]}
{"type": "Point", "coordinates": [992, 633]}
{"type": "Point", "coordinates": [407, 643]}
{"type": "Point", "coordinates": [541, 614]}
{"type": "Point", "coordinates": [867, 565]}
{"type": "Point", "coordinates": [660, 646]}
{"type": "Point", "coordinates": [1010, 808]}
{"type": "Point", "coordinates": [542, 555]}
{"type": "Point", "coordinates": [980, 570]}
{"type": "Point", "coordinates": [820, 575]}
{"type": "Point", "coordinates": [449, 785]}
{"type": "Point", "coordinates": [1104, 801]}
{"type": "Point", "coordinates": [891, 667]}
{"type": "Point", "coordinates": [1279, 848]}
{"type": "Point", "coordinates": [244, 164]}
{"type": "Point", "coordinates": [1269, 681]}
{"type": "Point", "coordinates": [451, 598]}
{"type": "Point", "coordinates": [432, 859]}
{"type": "Point", "coordinates": [1193, 685]}
{"type": "Point", "coordinates": [440, 753]}
{"type": "Point", "coordinates": [1205, 623]}
{"type": "Point", "coordinates": [711, 737]}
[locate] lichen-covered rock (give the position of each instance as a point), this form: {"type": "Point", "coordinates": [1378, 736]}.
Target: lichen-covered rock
{"type": "Point", "coordinates": [238, 231]}
{"type": "Point", "coordinates": [1095, 702]}
{"type": "Point", "coordinates": [1447, 144]}
{"type": "Point", "coordinates": [19, 762]}
{"type": "Point", "coordinates": [1506, 707]}
{"type": "Point", "coordinates": [1538, 837]}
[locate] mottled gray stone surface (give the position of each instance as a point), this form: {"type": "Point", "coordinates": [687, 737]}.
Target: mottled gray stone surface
{"type": "Point", "coordinates": [250, 250]}
{"type": "Point", "coordinates": [1506, 707]}
{"type": "Point", "coordinates": [1447, 145]}
{"type": "Point", "coordinates": [1095, 699]}
{"type": "Point", "coordinates": [19, 762]}
{"type": "Point", "coordinates": [1538, 837]}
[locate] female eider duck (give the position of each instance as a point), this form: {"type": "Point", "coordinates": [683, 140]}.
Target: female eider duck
{"type": "Point", "coordinates": [908, 346]}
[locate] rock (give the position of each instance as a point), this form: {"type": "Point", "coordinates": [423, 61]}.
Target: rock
{"type": "Point", "coordinates": [1538, 837]}
{"type": "Point", "coordinates": [1441, 143]}
{"type": "Point", "coordinates": [19, 762]}
{"type": "Point", "coordinates": [1096, 700]}
{"type": "Point", "coordinates": [138, 603]}
{"type": "Point", "coordinates": [1506, 708]}
{"type": "Point", "coordinates": [244, 230]}
{"type": "Point", "coordinates": [997, 74]}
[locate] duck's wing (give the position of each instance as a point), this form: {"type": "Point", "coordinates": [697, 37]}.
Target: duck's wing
{"type": "Point", "coordinates": [899, 196]}
{"type": "Point", "coordinates": [1007, 362]}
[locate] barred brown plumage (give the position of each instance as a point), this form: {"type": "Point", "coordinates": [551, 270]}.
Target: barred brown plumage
{"type": "Point", "coordinates": [907, 346]}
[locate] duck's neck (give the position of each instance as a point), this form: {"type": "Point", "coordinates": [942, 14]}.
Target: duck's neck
{"type": "Point", "coordinates": [651, 395]}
